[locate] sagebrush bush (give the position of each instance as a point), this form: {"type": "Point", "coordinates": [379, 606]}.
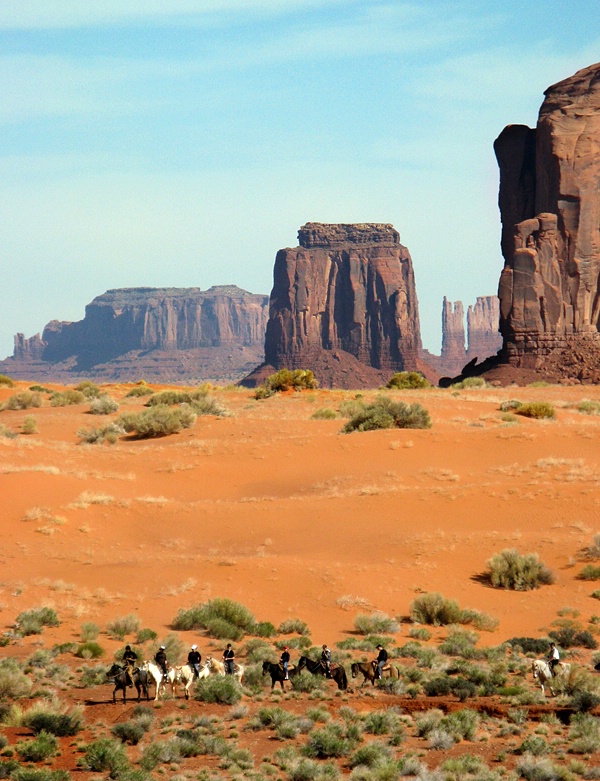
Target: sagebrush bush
{"type": "Point", "coordinates": [216, 688]}
{"type": "Point", "coordinates": [407, 381]}
{"type": "Point", "coordinates": [529, 645]}
{"type": "Point", "coordinates": [211, 613]}
{"type": "Point", "coordinates": [39, 749]}
{"type": "Point", "coordinates": [89, 650]}
{"type": "Point", "coordinates": [144, 635]}
{"type": "Point", "coordinates": [32, 622]}
{"type": "Point", "coordinates": [89, 631]}
{"type": "Point", "coordinates": [286, 379]}
{"type": "Point", "coordinates": [512, 570]}
{"type": "Point", "coordinates": [30, 425]}
{"type": "Point", "coordinates": [105, 754]}
{"type": "Point", "coordinates": [54, 718]}
{"type": "Point", "coordinates": [469, 383]}
{"type": "Point", "coordinates": [329, 741]}
{"type": "Point", "coordinates": [14, 684]}
{"type": "Point", "coordinates": [139, 390]}
{"type": "Point", "coordinates": [7, 433]}
{"type": "Point", "coordinates": [6, 381]}
{"type": "Point", "coordinates": [122, 626]}
{"type": "Point", "coordinates": [170, 397]}
{"type": "Point", "coordinates": [584, 734]}
{"type": "Point", "coordinates": [536, 409]}
{"type": "Point", "coordinates": [23, 400]}
{"type": "Point", "coordinates": [375, 623]}
{"type": "Point", "coordinates": [326, 413]}
{"type": "Point", "coordinates": [89, 389]}
{"type": "Point", "coordinates": [307, 682]}
{"type": "Point", "coordinates": [385, 413]}
{"type": "Point", "coordinates": [103, 405]}
{"type": "Point", "coordinates": [589, 407]}
{"type": "Point", "coordinates": [372, 754]}
{"type": "Point", "coordinates": [510, 406]}
{"type": "Point", "coordinates": [93, 676]}
{"type": "Point", "coordinates": [293, 626]}
{"type": "Point", "coordinates": [96, 436]}
{"type": "Point", "coordinates": [435, 609]}
{"type": "Point", "coordinates": [589, 572]}
{"type": "Point", "coordinates": [158, 421]}
{"type": "Point", "coordinates": [67, 398]}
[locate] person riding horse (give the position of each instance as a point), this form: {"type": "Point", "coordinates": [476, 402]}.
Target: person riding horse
{"type": "Point", "coordinates": [130, 660]}
{"type": "Point", "coordinates": [326, 660]}
{"type": "Point", "coordinates": [380, 662]}
{"type": "Point", "coordinates": [553, 658]}
{"type": "Point", "coordinates": [284, 661]}
{"type": "Point", "coordinates": [229, 659]}
{"type": "Point", "coordinates": [194, 659]}
{"type": "Point", "coordinates": [161, 660]}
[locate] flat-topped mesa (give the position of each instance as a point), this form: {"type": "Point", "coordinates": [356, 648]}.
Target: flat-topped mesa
{"type": "Point", "coordinates": [366, 234]}
{"type": "Point", "coordinates": [550, 207]}
{"type": "Point", "coordinates": [344, 301]}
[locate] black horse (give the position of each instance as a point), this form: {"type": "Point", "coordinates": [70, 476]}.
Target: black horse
{"type": "Point", "coordinates": [338, 673]}
{"type": "Point", "coordinates": [276, 672]}
{"type": "Point", "coordinates": [118, 676]}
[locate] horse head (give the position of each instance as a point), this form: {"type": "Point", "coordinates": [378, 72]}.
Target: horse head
{"type": "Point", "coordinates": [266, 667]}
{"type": "Point", "coordinates": [301, 663]}
{"type": "Point", "coordinates": [114, 671]}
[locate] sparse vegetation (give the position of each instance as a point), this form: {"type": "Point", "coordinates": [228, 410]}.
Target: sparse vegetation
{"type": "Point", "coordinates": [158, 421]}
{"type": "Point", "coordinates": [139, 390]}
{"type": "Point", "coordinates": [32, 622]}
{"type": "Point", "coordinates": [23, 400]}
{"type": "Point", "coordinates": [225, 690]}
{"type": "Point", "coordinates": [89, 389]}
{"type": "Point", "coordinates": [536, 409]}
{"type": "Point", "coordinates": [376, 623]}
{"type": "Point", "coordinates": [384, 413]}
{"type": "Point", "coordinates": [96, 436]}
{"type": "Point", "coordinates": [126, 625]}
{"type": "Point", "coordinates": [469, 383]}
{"type": "Point", "coordinates": [285, 379]}
{"type": "Point", "coordinates": [103, 405]}
{"type": "Point", "coordinates": [67, 398]}
{"type": "Point", "coordinates": [407, 381]}
{"type": "Point", "coordinates": [30, 425]}
{"type": "Point", "coordinates": [221, 618]}
{"type": "Point", "coordinates": [518, 572]}
{"type": "Point", "coordinates": [326, 413]}
{"type": "Point", "coordinates": [6, 381]}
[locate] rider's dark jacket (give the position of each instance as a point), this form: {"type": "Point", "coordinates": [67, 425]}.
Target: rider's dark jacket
{"type": "Point", "coordinates": [160, 658]}
{"type": "Point", "coordinates": [130, 657]}
{"type": "Point", "coordinates": [383, 655]}
{"type": "Point", "coordinates": [285, 657]}
{"type": "Point", "coordinates": [194, 657]}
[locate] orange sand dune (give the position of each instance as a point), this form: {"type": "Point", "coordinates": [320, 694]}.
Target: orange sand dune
{"type": "Point", "coordinates": [285, 514]}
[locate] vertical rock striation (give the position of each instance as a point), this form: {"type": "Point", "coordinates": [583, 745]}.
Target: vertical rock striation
{"type": "Point", "coordinates": [453, 334]}
{"type": "Point", "coordinates": [483, 322]}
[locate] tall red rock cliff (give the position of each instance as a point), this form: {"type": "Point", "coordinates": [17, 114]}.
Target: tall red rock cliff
{"type": "Point", "coordinates": [550, 207]}
{"type": "Point", "coordinates": [344, 304]}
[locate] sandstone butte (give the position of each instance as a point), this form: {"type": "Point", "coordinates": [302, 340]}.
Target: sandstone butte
{"type": "Point", "coordinates": [343, 304]}
{"type": "Point", "coordinates": [550, 208]}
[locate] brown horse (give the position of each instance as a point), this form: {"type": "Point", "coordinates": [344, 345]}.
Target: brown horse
{"type": "Point", "coordinates": [338, 673]}
{"type": "Point", "coordinates": [368, 670]}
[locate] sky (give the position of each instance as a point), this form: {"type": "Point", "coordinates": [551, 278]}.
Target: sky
{"type": "Point", "coordinates": [182, 143]}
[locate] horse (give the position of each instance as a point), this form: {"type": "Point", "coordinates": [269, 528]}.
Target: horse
{"type": "Point", "coordinates": [338, 673]}
{"type": "Point", "coordinates": [187, 675]}
{"type": "Point", "coordinates": [118, 676]}
{"type": "Point", "coordinates": [157, 674]}
{"type": "Point", "coordinates": [543, 673]}
{"type": "Point", "coordinates": [277, 673]}
{"type": "Point", "coordinates": [218, 668]}
{"type": "Point", "coordinates": [367, 669]}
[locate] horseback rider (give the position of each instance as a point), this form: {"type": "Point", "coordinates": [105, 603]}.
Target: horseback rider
{"type": "Point", "coordinates": [284, 662]}
{"type": "Point", "coordinates": [228, 659]}
{"type": "Point", "coordinates": [129, 662]}
{"type": "Point", "coordinates": [379, 663]}
{"type": "Point", "coordinates": [194, 659]}
{"type": "Point", "coordinates": [326, 660]}
{"type": "Point", "coordinates": [161, 660]}
{"type": "Point", "coordinates": [553, 658]}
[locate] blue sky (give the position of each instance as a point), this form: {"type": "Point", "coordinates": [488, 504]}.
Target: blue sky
{"type": "Point", "coordinates": [182, 143]}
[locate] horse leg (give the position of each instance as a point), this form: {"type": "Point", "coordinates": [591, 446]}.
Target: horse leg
{"type": "Point", "coordinates": [139, 690]}
{"type": "Point", "coordinates": [115, 695]}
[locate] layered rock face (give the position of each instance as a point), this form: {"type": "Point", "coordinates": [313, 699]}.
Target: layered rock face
{"type": "Point", "coordinates": [344, 304]}
{"type": "Point", "coordinates": [133, 331]}
{"type": "Point", "coordinates": [483, 323]}
{"type": "Point", "coordinates": [453, 334]}
{"type": "Point", "coordinates": [550, 207]}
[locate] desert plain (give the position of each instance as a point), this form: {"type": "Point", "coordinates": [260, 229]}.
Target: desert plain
{"type": "Point", "coordinates": [280, 511]}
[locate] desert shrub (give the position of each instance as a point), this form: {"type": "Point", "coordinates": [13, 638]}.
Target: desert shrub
{"type": "Point", "coordinates": [89, 631]}
{"type": "Point", "coordinates": [23, 400]}
{"type": "Point", "coordinates": [39, 749]}
{"type": "Point", "coordinates": [96, 436]}
{"type": "Point", "coordinates": [371, 755]}
{"type": "Point", "coordinates": [407, 381]}
{"type": "Point", "coordinates": [103, 405]}
{"type": "Point", "coordinates": [67, 398]}
{"type": "Point", "coordinates": [461, 724]}
{"type": "Point", "coordinates": [382, 722]}
{"type": "Point", "coordinates": [440, 740]}
{"type": "Point", "coordinates": [536, 409]}
{"type": "Point", "coordinates": [469, 383]}
{"type": "Point", "coordinates": [329, 741]}
{"type": "Point", "coordinates": [589, 572]}
{"type": "Point", "coordinates": [529, 645]}
{"type": "Point", "coordinates": [125, 625]}
{"type": "Point", "coordinates": [204, 615]}
{"type": "Point", "coordinates": [309, 770]}
{"type": "Point", "coordinates": [350, 408]}
{"type": "Point", "coordinates": [93, 676]}
{"type": "Point", "coordinates": [172, 644]}
{"type": "Point", "coordinates": [89, 650]}
{"type": "Point", "coordinates": [257, 651]}
{"type": "Point", "coordinates": [589, 407]}
{"type": "Point", "coordinates": [570, 636]}
{"type": "Point", "coordinates": [375, 623]}
{"type": "Point", "coordinates": [459, 642]}
{"type": "Point", "coordinates": [170, 397]}
{"type": "Point", "coordinates": [419, 633]}
{"type": "Point", "coordinates": [285, 379]}
{"type": "Point", "coordinates": [426, 722]}
{"type": "Point", "coordinates": [533, 769]}
{"type": "Point", "coordinates": [293, 626]}
{"type": "Point", "coordinates": [29, 773]}
{"type": "Point", "coordinates": [13, 682]}
{"type": "Point", "coordinates": [105, 754]}
{"type": "Point", "coordinates": [584, 734]}
{"type": "Point", "coordinates": [518, 572]}
{"type": "Point", "coordinates": [535, 745]}
{"type": "Point", "coordinates": [326, 413]}
{"type": "Point", "coordinates": [584, 701]}
{"type": "Point", "coordinates": [145, 635]}
{"type": "Point", "coordinates": [208, 406]}
{"type": "Point", "coordinates": [133, 731]}
{"type": "Point", "coordinates": [6, 381]}
{"type": "Point", "coordinates": [510, 406]}
{"type": "Point", "coordinates": [263, 629]}
{"type": "Point", "coordinates": [435, 609]}
{"type": "Point", "coordinates": [32, 622]}
{"type": "Point", "coordinates": [30, 425]}
{"type": "Point", "coordinates": [468, 766]}
{"type": "Point", "coordinates": [479, 620]}
{"type": "Point", "coordinates": [158, 421]}
{"type": "Point", "coordinates": [54, 719]}
{"type": "Point", "coordinates": [139, 390]}
{"type": "Point", "coordinates": [307, 682]}
{"type": "Point", "coordinates": [89, 389]}
{"type": "Point", "coordinates": [301, 643]}
{"type": "Point", "coordinates": [7, 433]}
{"type": "Point", "coordinates": [443, 686]}
{"type": "Point", "coordinates": [216, 688]}
{"type": "Point", "coordinates": [386, 413]}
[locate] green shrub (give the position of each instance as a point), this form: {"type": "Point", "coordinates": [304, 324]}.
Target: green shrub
{"type": "Point", "coordinates": [54, 719]}
{"type": "Point", "coordinates": [39, 749]}
{"type": "Point", "coordinates": [199, 617]}
{"type": "Point", "coordinates": [408, 381]}
{"type": "Point", "coordinates": [89, 631]}
{"type": "Point", "coordinates": [469, 383]}
{"type": "Point", "coordinates": [13, 683]}
{"type": "Point", "coordinates": [536, 409]}
{"type": "Point", "coordinates": [170, 397]}
{"type": "Point", "coordinates": [173, 646]}
{"type": "Point", "coordinates": [6, 381]}
{"type": "Point", "coordinates": [103, 405]}
{"type": "Point", "coordinates": [385, 413]}
{"type": "Point", "coordinates": [93, 676]}
{"type": "Point", "coordinates": [145, 635]}
{"type": "Point", "coordinates": [263, 629]}
{"type": "Point", "coordinates": [89, 389]}
{"type": "Point", "coordinates": [293, 626]}
{"type": "Point", "coordinates": [23, 400]}
{"type": "Point", "coordinates": [382, 722]}
{"type": "Point", "coordinates": [376, 623]}
{"type": "Point", "coordinates": [105, 754]}
{"type": "Point", "coordinates": [139, 390]}
{"type": "Point", "coordinates": [307, 682]}
{"type": "Point", "coordinates": [67, 398]}
{"type": "Point", "coordinates": [436, 610]}
{"type": "Point", "coordinates": [208, 406]}
{"type": "Point", "coordinates": [96, 436]}
{"type": "Point", "coordinates": [158, 421]}
{"type": "Point", "coordinates": [216, 688]}
{"type": "Point", "coordinates": [329, 741]}
{"type": "Point", "coordinates": [372, 754]}
{"type": "Point", "coordinates": [125, 625]}
{"type": "Point", "coordinates": [7, 432]}
{"type": "Point", "coordinates": [572, 637]}
{"type": "Point", "coordinates": [510, 406]}
{"type": "Point", "coordinates": [350, 408]}
{"type": "Point", "coordinates": [89, 650]}
{"type": "Point", "coordinates": [584, 734]}
{"type": "Point", "coordinates": [529, 645]}
{"type": "Point", "coordinates": [589, 572]}
{"type": "Point", "coordinates": [30, 425]}
{"type": "Point", "coordinates": [584, 701]}
{"type": "Point", "coordinates": [512, 570]}
{"type": "Point", "coordinates": [133, 731]}
{"type": "Point", "coordinates": [283, 380]}
{"type": "Point", "coordinates": [326, 413]}
{"type": "Point", "coordinates": [39, 388]}
{"type": "Point", "coordinates": [32, 622]}
{"type": "Point", "coordinates": [589, 407]}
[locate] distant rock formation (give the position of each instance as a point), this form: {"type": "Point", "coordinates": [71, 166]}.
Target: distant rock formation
{"type": "Point", "coordinates": [550, 208]}
{"type": "Point", "coordinates": [343, 304]}
{"type": "Point", "coordinates": [168, 334]}
{"type": "Point", "coordinates": [483, 336]}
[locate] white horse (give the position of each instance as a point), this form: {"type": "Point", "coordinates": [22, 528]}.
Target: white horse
{"type": "Point", "coordinates": [159, 681]}
{"type": "Point", "coordinates": [218, 668]}
{"type": "Point", "coordinates": [542, 672]}
{"type": "Point", "coordinates": [186, 675]}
